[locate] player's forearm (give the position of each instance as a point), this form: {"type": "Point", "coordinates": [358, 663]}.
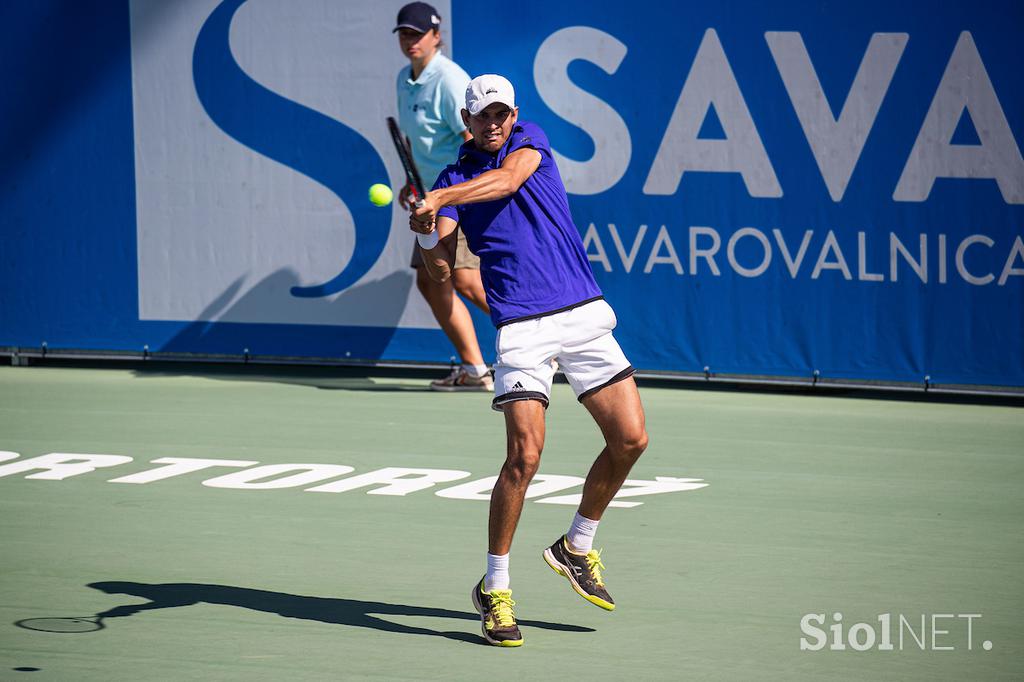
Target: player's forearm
{"type": "Point", "coordinates": [490, 186]}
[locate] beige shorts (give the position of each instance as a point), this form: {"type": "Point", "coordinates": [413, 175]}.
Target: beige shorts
{"type": "Point", "coordinates": [464, 258]}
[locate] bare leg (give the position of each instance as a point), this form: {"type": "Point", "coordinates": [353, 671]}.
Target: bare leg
{"type": "Point", "coordinates": [620, 415]}
{"type": "Point", "coordinates": [468, 283]}
{"type": "Point", "coordinates": [524, 426]}
{"type": "Point", "coordinates": [452, 314]}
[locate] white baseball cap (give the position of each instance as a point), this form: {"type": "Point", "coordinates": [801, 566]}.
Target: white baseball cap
{"type": "Point", "coordinates": [488, 89]}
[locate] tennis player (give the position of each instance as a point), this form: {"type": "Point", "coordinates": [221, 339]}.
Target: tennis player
{"type": "Point", "coordinates": [506, 195]}
{"type": "Point", "coordinates": [430, 93]}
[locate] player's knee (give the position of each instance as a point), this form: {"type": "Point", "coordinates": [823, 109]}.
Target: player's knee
{"type": "Point", "coordinates": [522, 463]}
{"type": "Point", "coordinates": [630, 445]}
{"type": "Point", "coordinates": [467, 287]}
{"type": "Point", "coordinates": [467, 284]}
{"type": "Point", "coordinates": [519, 473]}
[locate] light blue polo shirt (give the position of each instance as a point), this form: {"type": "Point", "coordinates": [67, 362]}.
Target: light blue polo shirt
{"type": "Point", "coordinates": [429, 112]}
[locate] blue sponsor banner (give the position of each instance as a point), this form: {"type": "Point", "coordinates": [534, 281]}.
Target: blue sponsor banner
{"type": "Point", "coordinates": [779, 188]}
{"type": "Point", "coordinates": [771, 190]}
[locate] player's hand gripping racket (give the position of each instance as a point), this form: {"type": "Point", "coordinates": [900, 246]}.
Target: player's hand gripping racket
{"type": "Point", "coordinates": [412, 177]}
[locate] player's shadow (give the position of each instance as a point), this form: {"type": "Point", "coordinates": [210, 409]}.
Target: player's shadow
{"type": "Point", "coordinates": [221, 332]}
{"type": "Point", "coordinates": [226, 325]}
{"type": "Point", "coordinates": [353, 612]}
{"type": "Point", "coordinates": [325, 378]}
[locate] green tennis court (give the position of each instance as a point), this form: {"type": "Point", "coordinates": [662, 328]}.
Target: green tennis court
{"type": "Point", "coordinates": [812, 505]}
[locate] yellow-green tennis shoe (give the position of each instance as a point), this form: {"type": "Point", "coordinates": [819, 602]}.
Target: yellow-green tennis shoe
{"type": "Point", "coordinates": [497, 619]}
{"type": "Point", "coordinates": [583, 571]}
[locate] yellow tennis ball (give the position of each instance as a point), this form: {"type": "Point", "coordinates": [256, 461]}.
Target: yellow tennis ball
{"type": "Point", "coordinates": [380, 195]}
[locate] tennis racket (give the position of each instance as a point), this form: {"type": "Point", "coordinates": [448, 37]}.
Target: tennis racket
{"type": "Point", "coordinates": [412, 177]}
{"type": "Point", "coordinates": [63, 625]}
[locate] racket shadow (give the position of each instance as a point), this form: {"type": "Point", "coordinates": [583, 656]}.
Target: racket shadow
{"type": "Point", "coordinates": [63, 625]}
{"type": "Point", "coordinates": [333, 610]}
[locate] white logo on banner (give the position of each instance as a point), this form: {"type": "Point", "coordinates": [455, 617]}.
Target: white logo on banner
{"type": "Point", "coordinates": [228, 233]}
{"type": "Point", "coordinates": [836, 141]}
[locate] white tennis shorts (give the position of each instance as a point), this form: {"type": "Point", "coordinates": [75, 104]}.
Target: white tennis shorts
{"type": "Point", "coordinates": [579, 339]}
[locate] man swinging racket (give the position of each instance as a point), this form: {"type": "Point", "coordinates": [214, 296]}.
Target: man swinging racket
{"type": "Point", "coordinates": [507, 196]}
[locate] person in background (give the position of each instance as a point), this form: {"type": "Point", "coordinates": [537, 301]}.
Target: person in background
{"type": "Point", "coordinates": [430, 98]}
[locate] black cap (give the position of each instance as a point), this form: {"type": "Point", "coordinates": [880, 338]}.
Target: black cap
{"type": "Point", "coordinates": [419, 16]}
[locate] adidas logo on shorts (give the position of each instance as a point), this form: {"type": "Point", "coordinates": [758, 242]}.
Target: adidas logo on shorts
{"type": "Point", "coordinates": [518, 386]}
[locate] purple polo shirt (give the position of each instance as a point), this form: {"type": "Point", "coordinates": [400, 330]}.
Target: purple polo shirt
{"type": "Point", "coordinates": [532, 260]}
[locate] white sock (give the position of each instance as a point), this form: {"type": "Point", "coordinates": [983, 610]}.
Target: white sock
{"type": "Point", "coordinates": [475, 371]}
{"type": "Point", "coordinates": [497, 572]}
{"type": "Point", "coordinates": [581, 534]}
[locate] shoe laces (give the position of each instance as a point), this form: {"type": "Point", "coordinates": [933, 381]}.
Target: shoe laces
{"type": "Point", "coordinates": [595, 566]}
{"type": "Point", "coordinates": [501, 607]}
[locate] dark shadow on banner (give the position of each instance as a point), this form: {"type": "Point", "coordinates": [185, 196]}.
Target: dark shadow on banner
{"type": "Point", "coordinates": [220, 328]}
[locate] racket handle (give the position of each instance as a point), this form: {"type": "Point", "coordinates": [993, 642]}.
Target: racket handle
{"type": "Point", "coordinates": [428, 241]}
